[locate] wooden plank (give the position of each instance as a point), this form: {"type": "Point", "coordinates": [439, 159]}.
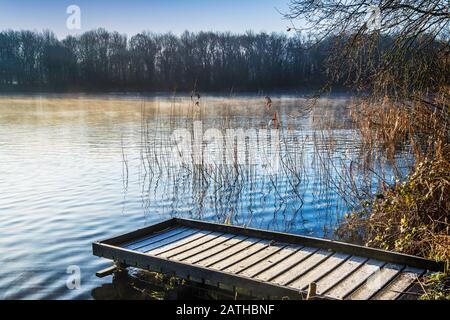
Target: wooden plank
{"type": "Point", "coordinates": [183, 256]}
{"type": "Point", "coordinates": [320, 270]}
{"type": "Point", "coordinates": [135, 244]}
{"type": "Point", "coordinates": [215, 250]}
{"type": "Point", "coordinates": [248, 257]}
{"type": "Point", "coordinates": [355, 279]}
{"type": "Point", "coordinates": [301, 268]}
{"type": "Point", "coordinates": [177, 244]}
{"type": "Point", "coordinates": [254, 258]}
{"type": "Point", "coordinates": [296, 257]}
{"type": "Point", "coordinates": [120, 240]}
{"type": "Point", "coordinates": [229, 252]}
{"type": "Point", "coordinates": [339, 273]}
{"type": "Point", "coordinates": [336, 246]}
{"type": "Point", "coordinates": [189, 245]}
{"type": "Point", "coordinates": [186, 271]}
{"type": "Point", "coordinates": [165, 241]}
{"type": "Point", "coordinates": [223, 264]}
{"type": "Point", "coordinates": [106, 272]}
{"type": "Point", "coordinates": [413, 292]}
{"type": "Point", "coordinates": [269, 261]}
{"type": "Point", "coordinates": [400, 284]}
{"type": "Point", "coordinates": [376, 282]}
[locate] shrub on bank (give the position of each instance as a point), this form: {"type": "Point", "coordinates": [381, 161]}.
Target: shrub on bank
{"type": "Point", "coordinates": [411, 217]}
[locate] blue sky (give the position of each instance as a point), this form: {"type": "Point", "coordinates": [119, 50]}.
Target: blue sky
{"type": "Point", "coordinates": [134, 16]}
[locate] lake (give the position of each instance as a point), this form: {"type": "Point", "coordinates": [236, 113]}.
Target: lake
{"type": "Point", "coordinates": [79, 168]}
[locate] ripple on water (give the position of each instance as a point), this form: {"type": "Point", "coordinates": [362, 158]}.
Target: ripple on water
{"type": "Point", "coordinates": [64, 186]}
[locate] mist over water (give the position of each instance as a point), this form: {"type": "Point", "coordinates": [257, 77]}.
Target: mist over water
{"type": "Point", "coordinates": [77, 169]}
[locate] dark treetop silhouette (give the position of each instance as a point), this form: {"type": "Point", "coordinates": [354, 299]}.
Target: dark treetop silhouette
{"type": "Point", "coordinates": [102, 60]}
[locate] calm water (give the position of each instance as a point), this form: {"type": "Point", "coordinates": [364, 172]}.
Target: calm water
{"type": "Point", "coordinates": [74, 170]}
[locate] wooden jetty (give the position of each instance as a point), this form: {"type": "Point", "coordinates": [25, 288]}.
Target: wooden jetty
{"type": "Point", "coordinates": [269, 264]}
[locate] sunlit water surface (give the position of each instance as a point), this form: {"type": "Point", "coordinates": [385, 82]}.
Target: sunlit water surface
{"type": "Point", "coordinates": [74, 170]}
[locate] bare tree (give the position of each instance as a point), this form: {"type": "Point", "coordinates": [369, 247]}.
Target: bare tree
{"type": "Point", "coordinates": [102, 60]}
{"type": "Point", "coordinates": [390, 47]}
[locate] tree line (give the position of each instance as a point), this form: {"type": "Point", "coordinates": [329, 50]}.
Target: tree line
{"type": "Point", "coordinates": [102, 60]}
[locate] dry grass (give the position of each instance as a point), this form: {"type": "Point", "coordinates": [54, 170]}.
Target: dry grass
{"type": "Point", "coordinates": [410, 217]}
{"type": "Point", "coordinates": [390, 124]}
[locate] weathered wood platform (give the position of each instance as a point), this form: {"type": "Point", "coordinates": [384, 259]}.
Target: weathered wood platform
{"type": "Point", "coordinates": [270, 264]}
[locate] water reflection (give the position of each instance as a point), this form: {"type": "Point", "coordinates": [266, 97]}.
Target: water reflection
{"type": "Point", "coordinates": [139, 285]}
{"type": "Point", "coordinates": [278, 178]}
{"type": "Point", "coordinates": [75, 169]}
